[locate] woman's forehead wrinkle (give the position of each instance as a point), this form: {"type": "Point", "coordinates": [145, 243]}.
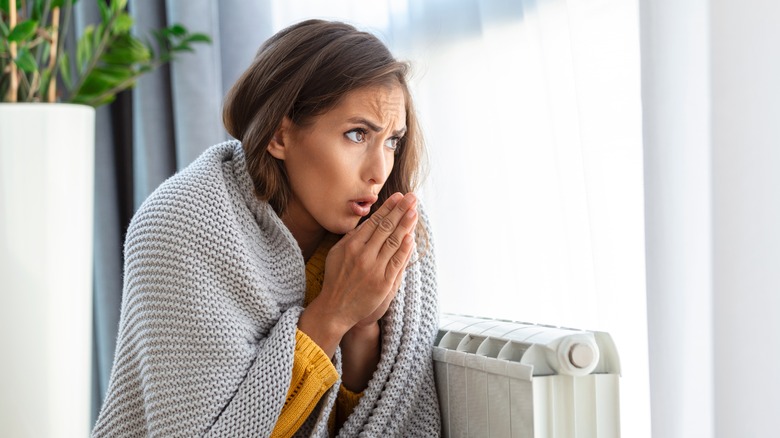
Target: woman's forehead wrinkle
{"type": "Point", "coordinates": [383, 107]}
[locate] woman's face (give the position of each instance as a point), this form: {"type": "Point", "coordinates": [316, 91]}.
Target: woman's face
{"type": "Point", "coordinates": [338, 163]}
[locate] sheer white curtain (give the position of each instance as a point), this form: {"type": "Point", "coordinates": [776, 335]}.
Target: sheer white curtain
{"type": "Point", "coordinates": [531, 111]}
{"type": "Point", "coordinates": [711, 102]}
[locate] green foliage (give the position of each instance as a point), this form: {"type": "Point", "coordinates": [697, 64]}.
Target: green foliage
{"type": "Point", "coordinates": [23, 31]}
{"type": "Point", "coordinates": [25, 61]}
{"type": "Point", "coordinates": [106, 59]}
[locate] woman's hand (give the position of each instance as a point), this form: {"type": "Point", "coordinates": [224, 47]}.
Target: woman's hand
{"type": "Point", "coordinates": [362, 273]}
{"type": "Point", "coordinates": [364, 269]}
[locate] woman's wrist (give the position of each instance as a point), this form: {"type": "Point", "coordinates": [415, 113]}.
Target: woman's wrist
{"type": "Point", "coordinates": [362, 332]}
{"type": "Point", "coordinates": [360, 348]}
{"type": "Point", "coordinates": [322, 327]}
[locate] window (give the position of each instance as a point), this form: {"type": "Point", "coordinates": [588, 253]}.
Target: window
{"type": "Point", "coordinates": [531, 111]}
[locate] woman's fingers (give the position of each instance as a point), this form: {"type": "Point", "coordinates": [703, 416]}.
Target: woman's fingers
{"type": "Point", "coordinates": [393, 242]}
{"type": "Point", "coordinates": [398, 260]}
{"type": "Point", "coordinates": [399, 276]}
{"type": "Point", "coordinates": [385, 225]}
{"type": "Point", "coordinates": [382, 309]}
{"type": "Point", "coordinates": [365, 230]}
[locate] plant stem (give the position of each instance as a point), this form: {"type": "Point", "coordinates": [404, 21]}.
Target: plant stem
{"type": "Point", "coordinates": [44, 19]}
{"type": "Point", "coordinates": [24, 85]}
{"type": "Point", "coordinates": [31, 93]}
{"type": "Point", "coordinates": [63, 30]}
{"type": "Point", "coordinates": [55, 14]}
{"type": "Point", "coordinates": [14, 88]}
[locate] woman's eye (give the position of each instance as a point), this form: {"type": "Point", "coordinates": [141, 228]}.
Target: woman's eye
{"type": "Point", "coordinates": [392, 143]}
{"type": "Point", "coordinates": [356, 135]}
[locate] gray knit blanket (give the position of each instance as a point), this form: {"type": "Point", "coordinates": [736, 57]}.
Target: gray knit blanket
{"type": "Point", "coordinates": [213, 288]}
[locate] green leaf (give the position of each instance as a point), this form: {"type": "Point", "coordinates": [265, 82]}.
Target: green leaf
{"type": "Point", "coordinates": [94, 100]}
{"type": "Point", "coordinates": [178, 30]}
{"type": "Point", "coordinates": [118, 5]}
{"type": "Point", "coordinates": [126, 50]}
{"type": "Point", "coordinates": [5, 7]}
{"type": "Point", "coordinates": [183, 47]}
{"type": "Point", "coordinates": [37, 9]}
{"type": "Point", "coordinates": [104, 79]}
{"type": "Point", "coordinates": [23, 31]}
{"type": "Point", "coordinates": [105, 100]}
{"type": "Point", "coordinates": [98, 32]}
{"type": "Point", "coordinates": [148, 46]}
{"type": "Point", "coordinates": [105, 13]}
{"type": "Point", "coordinates": [62, 3]}
{"type": "Point", "coordinates": [65, 70]}
{"type": "Point", "coordinates": [45, 47]}
{"type": "Point", "coordinates": [44, 85]}
{"type": "Point", "coordinates": [4, 30]}
{"type": "Point", "coordinates": [26, 61]}
{"type": "Point", "coordinates": [84, 48]}
{"type": "Point", "coordinates": [97, 35]}
{"type": "Point", "coordinates": [103, 83]}
{"type": "Point", "coordinates": [123, 23]}
{"type": "Point", "coordinates": [198, 38]}
{"type": "Point", "coordinates": [113, 75]}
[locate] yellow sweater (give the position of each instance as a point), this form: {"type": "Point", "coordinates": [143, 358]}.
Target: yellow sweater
{"type": "Point", "coordinates": [313, 372]}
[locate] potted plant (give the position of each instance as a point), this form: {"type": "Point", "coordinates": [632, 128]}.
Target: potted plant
{"type": "Point", "coordinates": [49, 91]}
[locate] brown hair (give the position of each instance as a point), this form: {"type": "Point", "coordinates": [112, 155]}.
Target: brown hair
{"type": "Point", "coordinates": [301, 72]}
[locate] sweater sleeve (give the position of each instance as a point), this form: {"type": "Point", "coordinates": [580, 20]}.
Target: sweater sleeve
{"type": "Point", "coordinates": [312, 375]}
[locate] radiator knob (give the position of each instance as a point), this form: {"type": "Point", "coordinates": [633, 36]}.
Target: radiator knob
{"type": "Point", "coordinates": [574, 355]}
{"type": "Point", "coordinates": [581, 355]}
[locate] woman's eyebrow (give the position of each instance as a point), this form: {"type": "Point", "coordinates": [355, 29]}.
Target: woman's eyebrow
{"type": "Point", "coordinates": [374, 127]}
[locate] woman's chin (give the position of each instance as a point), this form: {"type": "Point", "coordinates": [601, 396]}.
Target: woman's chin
{"type": "Point", "coordinates": [343, 227]}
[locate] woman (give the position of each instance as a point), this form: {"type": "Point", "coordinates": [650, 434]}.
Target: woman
{"type": "Point", "coordinates": [258, 300]}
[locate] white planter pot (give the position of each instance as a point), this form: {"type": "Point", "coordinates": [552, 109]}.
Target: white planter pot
{"type": "Point", "coordinates": [46, 214]}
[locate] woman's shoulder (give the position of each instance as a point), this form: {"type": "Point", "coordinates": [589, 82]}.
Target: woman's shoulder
{"type": "Point", "coordinates": [194, 194]}
{"type": "Point", "coordinates": [203, 174]}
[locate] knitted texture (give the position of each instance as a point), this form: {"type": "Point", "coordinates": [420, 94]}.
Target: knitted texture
{"type": "Point", "coordinates": [214, 284]}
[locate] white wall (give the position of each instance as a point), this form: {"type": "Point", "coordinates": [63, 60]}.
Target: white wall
{"type": "Point", "coordinates": [711, 105]}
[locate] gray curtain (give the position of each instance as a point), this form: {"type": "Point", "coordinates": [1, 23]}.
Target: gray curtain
{"type": "Point", "coordinates": [149, 133]}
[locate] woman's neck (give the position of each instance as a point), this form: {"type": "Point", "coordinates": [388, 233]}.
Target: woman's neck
{"type": "Point", "coordinates": [308, 234]}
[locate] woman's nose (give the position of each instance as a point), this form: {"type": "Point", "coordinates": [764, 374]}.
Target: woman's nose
{"type": "Point", "coordinates": [376, 164]}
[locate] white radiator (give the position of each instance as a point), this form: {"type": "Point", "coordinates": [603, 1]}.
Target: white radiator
{"type": "Point", "coordinates": [509, 379]}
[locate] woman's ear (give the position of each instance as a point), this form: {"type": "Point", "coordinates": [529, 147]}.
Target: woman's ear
{"type": "Point", "coordinates": [277, 147]}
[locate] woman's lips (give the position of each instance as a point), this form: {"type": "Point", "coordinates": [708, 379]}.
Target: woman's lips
{"type": "Point", "coordinates": [362, 207]}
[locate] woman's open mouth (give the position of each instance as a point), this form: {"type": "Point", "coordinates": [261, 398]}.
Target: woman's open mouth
{"type": "Point", "coordinates": [361, 207]}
